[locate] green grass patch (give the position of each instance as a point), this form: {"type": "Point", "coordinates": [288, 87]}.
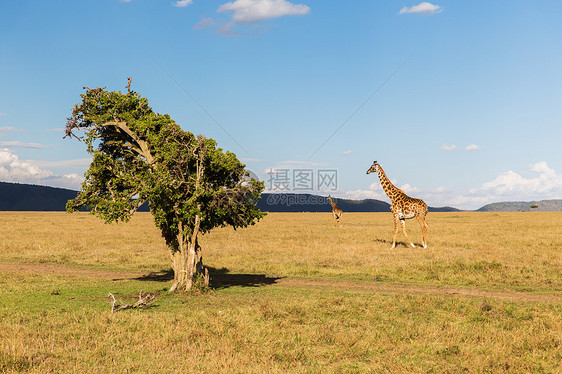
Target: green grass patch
{"type": "Point", "coordinates": [294, 294]}
{"type": "Point", "coordinates": [55, 324]}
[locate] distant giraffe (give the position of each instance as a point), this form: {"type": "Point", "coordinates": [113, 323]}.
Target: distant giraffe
{"type": "Point", "coordinates": [336, 211]}
{"type": "Point", "coordinates": [403, 207]}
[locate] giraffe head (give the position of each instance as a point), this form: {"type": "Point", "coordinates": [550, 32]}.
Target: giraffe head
{"type": "Point", "coordinates": [374, 168]}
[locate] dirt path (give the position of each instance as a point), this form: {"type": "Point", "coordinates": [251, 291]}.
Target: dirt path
{"type": "Point", "coordinates": [420, 289]}
{"type": "Point", "coordinates": [65, 270]}
{"type": "Point", "coordinates": [235, 279]}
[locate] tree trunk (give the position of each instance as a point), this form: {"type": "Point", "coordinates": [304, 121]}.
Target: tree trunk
{"type": "Point", "coordinates": [184, 264]}
{"type": "Point", "coordinates": [186, 259]}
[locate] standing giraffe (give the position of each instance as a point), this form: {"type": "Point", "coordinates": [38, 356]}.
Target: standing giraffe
{"type": "Point", "coordinates": [403, 207]}
{"type": "Point", "coordinates": [336, 211]}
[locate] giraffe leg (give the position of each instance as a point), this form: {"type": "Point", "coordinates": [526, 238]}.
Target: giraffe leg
{"type": "Point", "coordinates": [403, 222]}
{"type": "Point", "coordinates": [395, 232]}
{"type": "Point", "coordinates": [424, 226]}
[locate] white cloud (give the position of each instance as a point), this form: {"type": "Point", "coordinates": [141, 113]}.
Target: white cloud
{"type": "Point", "coordinates": [183, 3]}
{"type": "Point", "coordinates": [410, 189]}
{"type": "Point", "coordinates": [364, 194]}
{"type": "Point", "coordinates": [226, 29]}
{"type": "Point", "coordinates": [18, 144]}
{"type": "Point", "coordinates": [442, 189]}
{"type": "Point", "coordinates": [440, 196]}
{"type": "Point", "coordinates": [447, 148]}
{"type": "Point", "coordinates": [374, 191]}
{"type": "Point", "coordinates": [205, 22]}
{"type": "Point", "coordinates": [542, 168]}
{"type": "Point", "coordinates": [537, 182]}
{"type": "Point", "coordinates": [543, 183]}
{"type": "Point", "coordinates": [250, 11]}
{"type": "Point", "coordinates": [7, 129]}
{"type": "Point", "coordinates": [422, 8]}
{"type": "Point", "coordinates": [452, 147]}
{"type": "Point", "coordinates": [12, 169]}
{"type": "Point", "coordinates": [511, 183]}
{"type": "Point", "coordinates": [346, 153]}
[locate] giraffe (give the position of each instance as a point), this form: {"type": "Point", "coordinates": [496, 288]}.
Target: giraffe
{"type": "Point", "coordinates": [336, 211]}
{"type": "Point", "coordinates": [403, 207]}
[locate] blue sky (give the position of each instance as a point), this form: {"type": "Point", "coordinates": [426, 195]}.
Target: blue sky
{"type": "Point", "coordinates": [459, 101]}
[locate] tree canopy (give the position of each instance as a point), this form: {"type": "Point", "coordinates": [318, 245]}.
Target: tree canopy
{"type": "Point", "coordinates": [139, 156]}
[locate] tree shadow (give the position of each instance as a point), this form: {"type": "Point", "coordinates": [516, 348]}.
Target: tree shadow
{"type": "Point", "coordinates": [226, 280]}
{"type": "Point", "coordinates": [218, 278]}
{"type": "Point", "coordinates": [164, 275]}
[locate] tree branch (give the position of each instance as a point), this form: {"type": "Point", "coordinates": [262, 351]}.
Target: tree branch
{"type": "Point", "coordinates": [142, 303]}
{"type": "Point", "coordinates": [136, 206]}
{"type": "Point", "coordinates": [143, 145]}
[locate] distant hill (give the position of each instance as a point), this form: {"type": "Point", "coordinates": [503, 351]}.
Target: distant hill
{"type": "Point", "coordinates": [18, 197]}
{"type": "Point", "coordinates": [518, 206]}
{"type": "Point", "coordinates": [27, 197]}
{"type": "Point", "coordinates": [444, 209]}
{"type": "Point", "coordinates": [291, 202]}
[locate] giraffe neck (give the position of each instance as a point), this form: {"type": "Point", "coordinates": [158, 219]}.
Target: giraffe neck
{"type": "Point", "coordinates": [332, 202]}
{"type": "Point", "coordinates": [391, 190]}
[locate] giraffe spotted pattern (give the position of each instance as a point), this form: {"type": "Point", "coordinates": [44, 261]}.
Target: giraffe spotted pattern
{"type": "Point", "coordinates": [403, 207]}
{"type": "Point", "coordinates": [336, 211]}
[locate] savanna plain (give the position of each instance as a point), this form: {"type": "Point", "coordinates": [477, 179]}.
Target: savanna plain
{"type": "Point", "coordinates": [297, 292]}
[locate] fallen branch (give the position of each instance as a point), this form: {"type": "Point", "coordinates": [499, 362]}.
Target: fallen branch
{"type": "Point", "coordinates": [142, 303]}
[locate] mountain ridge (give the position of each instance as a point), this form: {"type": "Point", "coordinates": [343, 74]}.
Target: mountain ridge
{"type": "Point", "coordinates": [30, 197]}
{"type": "Point", "coordinates": [552, 205]}
{"type": "Point", "coordinates": [292, 202]}
{"type": "Point", "coordinates": [33, 198]}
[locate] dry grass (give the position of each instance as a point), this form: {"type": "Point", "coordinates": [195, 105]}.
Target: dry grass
{"type": "Point", "coordinates": [491, 250]}
{"type": "Point", "coordinates": [310, 321]}
{"type": "Point", "coordinates": [81, 240]}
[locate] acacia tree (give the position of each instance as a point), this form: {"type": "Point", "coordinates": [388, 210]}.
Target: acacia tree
{"type": "Point", "coordinates": [141, 156]}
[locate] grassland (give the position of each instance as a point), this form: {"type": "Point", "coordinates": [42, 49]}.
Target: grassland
{"type": "Point", "coordinates": [295, 293]}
